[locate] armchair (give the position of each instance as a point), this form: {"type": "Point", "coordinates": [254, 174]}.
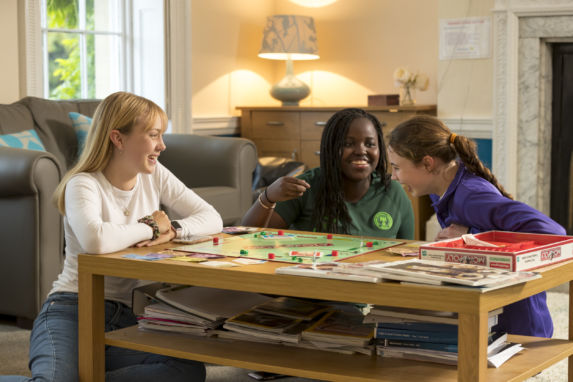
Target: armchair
{"type": "Point", "coordinates": [31, 232]}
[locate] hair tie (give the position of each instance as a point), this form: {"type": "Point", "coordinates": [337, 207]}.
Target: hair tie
{"type": "Point", "coordinates": [453, 138]}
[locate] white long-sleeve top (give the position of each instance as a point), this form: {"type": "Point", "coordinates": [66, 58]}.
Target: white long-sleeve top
{"type": "Point", "coordinates": [95, 222]}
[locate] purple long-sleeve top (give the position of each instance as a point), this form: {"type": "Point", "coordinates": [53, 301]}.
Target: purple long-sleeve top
{"type": "Point", "coordinates": [474, 202]}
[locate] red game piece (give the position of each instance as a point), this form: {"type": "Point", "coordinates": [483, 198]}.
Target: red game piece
{"type": "Point", "coordinates": [369, 244]}
{"type": "Point", "coordinates": [215, 240]}
{"type": "Point", "coordinates": [329, 236]}
{"type": "Point", "coordinates": [281, 233]}
{"type": "Point", "coordinates": [271, 256]}
{"type": "Point", "coordinates": [334, 252]}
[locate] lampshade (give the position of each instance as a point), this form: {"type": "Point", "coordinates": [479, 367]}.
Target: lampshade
{"type": "Point", "coordinates": [289, 37]}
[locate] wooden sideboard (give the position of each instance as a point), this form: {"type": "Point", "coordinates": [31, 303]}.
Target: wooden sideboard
{"type": "Point", "coordinates": [294, 132]}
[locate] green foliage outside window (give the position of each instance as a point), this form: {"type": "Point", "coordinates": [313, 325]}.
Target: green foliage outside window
{"type": "Point", "coordinates": [64, 58]}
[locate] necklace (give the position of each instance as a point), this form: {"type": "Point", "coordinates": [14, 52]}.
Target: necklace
{"type": "Point", "coordinates": [123, 202]}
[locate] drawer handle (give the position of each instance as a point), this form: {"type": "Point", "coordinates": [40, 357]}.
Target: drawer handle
{"type": "Point", "coordinates": [275, 123]}
{"type": "Point", "coordinates": [320, 123]}
{"type": "Point", "coordinates": [317, 153]}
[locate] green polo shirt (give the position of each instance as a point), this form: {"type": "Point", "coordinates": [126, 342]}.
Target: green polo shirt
{"type": "Point", "coordinates": [385, 213]}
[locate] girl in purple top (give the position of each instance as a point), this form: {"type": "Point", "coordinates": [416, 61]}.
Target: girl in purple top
{"type": "Point", "coordinates": [428, 159]}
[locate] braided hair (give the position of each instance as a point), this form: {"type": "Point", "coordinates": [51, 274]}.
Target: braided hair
{"type": "Point", "coordinates": [425, 135]}
{"type": "Point", "coordinates": [330, 213]}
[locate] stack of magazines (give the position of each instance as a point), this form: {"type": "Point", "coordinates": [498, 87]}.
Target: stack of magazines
{"type": "Point", "coordinates": [302, 323]}
{"type": "Point", "coordinates": [342, 332]}
{"type": "Point", "coordinates": [445, 273]}
{"type": "Point", "coordinates": [280, 320]}
{"type": "Point", "coordinates": [194, 310]}
{"type": "Point", "coordinates": [431, 336]}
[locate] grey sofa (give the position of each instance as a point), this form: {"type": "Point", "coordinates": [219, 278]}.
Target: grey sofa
{"type": "Point", "coordinates": [31, 233]}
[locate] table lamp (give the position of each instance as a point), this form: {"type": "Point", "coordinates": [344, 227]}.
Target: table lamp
{"type": "Point", "coordinates": [289, 37]}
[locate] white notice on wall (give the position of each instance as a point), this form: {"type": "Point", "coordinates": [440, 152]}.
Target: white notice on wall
{"type": "Point", "coordinates": [465, 38]}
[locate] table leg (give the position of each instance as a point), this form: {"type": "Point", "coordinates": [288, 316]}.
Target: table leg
{"type": "Point", "coordinates": [91, 327]}
{"type": "Point", "coordinates": [472, 347]}
{"type": "Point", "coordinates": [570, 361]}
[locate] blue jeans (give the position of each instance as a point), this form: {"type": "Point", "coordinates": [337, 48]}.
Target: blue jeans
{"type": "Point", "coordinates": [54, 348]}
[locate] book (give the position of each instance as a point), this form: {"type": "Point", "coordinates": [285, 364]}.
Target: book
{"type": "Point", "coordinates": [340, 327]}
{"type": "Point", "coordinates": [291, 308]}
{"type": "Point", "coordinates": [210, 303]}
{"type": "Point", "coordinates": [161, 310]}
{"type": "Point", "coordinates": [424, 315]}
{"type": "Point", "coordinates": [453, 348]}
{"type": "Point", "coordinates": [419, 326]}
{"type": "Point", "coordinates": [291, 334]}
{"type": "Point", "coordinates": [453, 273]}
{"type": "Point", "coordinates": [324, 270]}
{"type": "Point", "coordinates": [495, 359]}
{"type": "Point", "coordinates": [357, 268]}
{"type": "Point", "coordinates": [447, 337]}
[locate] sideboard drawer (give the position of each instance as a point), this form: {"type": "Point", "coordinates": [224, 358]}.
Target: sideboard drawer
{"type": "Point", "coordinates": [310, 153]}
{"type": "Point", "coordinates": [312, 124]}
{"type": "Point", "coordinates": [276, 125]}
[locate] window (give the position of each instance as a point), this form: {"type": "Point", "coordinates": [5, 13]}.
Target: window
{"type": "Point", "coordinates": [102, 46]}
{"type": "Point", "coordinates": [83, 48]}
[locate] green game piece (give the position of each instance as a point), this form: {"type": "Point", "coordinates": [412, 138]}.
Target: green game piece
{"type": "Point", "coordinates": [243, 252]}
{"type": "Point", "coordinates": [263, 233]}
{"type": "Point", "coordinates": [300, 260]}
{"type": "Point", "coordinates": [375, 243]}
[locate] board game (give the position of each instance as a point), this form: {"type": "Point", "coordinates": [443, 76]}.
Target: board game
{"type": "Point", "coordinates": [512, 251]}
{"type": "Point", "coordinates": [307, 248]}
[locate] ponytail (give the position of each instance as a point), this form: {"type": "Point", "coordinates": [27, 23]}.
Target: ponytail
{"type": "Point", "coordinates": [466, 150]}
{"type": "Point", "coordinates": [426, 135]}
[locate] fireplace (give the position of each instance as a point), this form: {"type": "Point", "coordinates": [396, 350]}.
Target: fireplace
{"type": "Point", "coordinates": [526, 35]}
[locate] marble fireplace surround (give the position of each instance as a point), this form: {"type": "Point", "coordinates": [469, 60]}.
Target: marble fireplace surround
{"type": "Point", "coordinates": [523, 33]}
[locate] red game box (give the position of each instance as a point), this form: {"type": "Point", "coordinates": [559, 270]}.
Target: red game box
{"type": "Point", "coordinates": [516, 251]}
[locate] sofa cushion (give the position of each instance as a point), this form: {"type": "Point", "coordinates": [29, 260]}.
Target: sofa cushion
{"type": "Point", "coordinates": [23, 140]}
{"type": "Point", "coordinates": [225, 200]}
{"type": "Point", "coordinates": [81, 124]}
{"type": "Point", "coordinates": [53, 116]}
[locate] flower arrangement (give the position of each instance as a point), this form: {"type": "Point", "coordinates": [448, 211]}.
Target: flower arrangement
{"type": "Point", "coordinates": [408, 82]}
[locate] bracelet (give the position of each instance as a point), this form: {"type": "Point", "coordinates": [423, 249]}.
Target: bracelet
{"type": "Point", "coordinates": [272, 207]}
{"type": "Point", "coordinates": [267, 197]}
{"type": "Point", "coordinates": [152, 223]}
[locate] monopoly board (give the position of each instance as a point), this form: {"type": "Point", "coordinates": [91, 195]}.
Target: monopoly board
{"type": "Point", "coordinates": [306, 248]}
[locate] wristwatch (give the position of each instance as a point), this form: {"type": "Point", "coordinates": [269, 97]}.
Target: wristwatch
{"type": "Point", "coordinates": [177, 228]}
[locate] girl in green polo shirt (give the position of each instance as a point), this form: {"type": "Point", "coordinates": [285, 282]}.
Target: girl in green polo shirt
{"type": "Point", "coordinates": [350, 193]}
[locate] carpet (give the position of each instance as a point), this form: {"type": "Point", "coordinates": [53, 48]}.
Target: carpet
{"type": "Point", "coordinates": [14, 349]}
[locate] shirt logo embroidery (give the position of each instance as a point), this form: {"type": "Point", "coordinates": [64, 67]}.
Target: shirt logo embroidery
{"type": "Point", "coordinates": [383, 220]}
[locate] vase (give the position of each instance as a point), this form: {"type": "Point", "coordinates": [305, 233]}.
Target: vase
{"type": "Point", "coordinates": [407, 95]}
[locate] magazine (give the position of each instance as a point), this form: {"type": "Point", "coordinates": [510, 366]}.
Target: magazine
{"type": "Point", "coordinates": [324, 270]}
{"type": "Point", "coordinates": [261, 321]}
{"type": "Point", "coordinates": [211, 303]}
{"type": "Point", "coordinates": [340, 327]}
{"type": "Point", "coordinates": [291, 308]}
{"type": "Point", "coordinates": [455, 273]}
{"type": "Point", "coordinates": [423, 315]}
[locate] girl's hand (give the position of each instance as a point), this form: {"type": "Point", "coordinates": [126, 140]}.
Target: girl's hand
{"type": "Point", "coordinates": [163, 238]}
{"type": "Point", "coordinates": [453, 230]}
{"type": "Point", "coordinates": [286, 188]}
{"type": "Point", "coordinates": [162, 221]}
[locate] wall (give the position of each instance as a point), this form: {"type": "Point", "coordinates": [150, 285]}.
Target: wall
{"type": "Point", "coordinates": [465, 87]}
{"type": "Point", "coordinates": [226, 71]}
{"type": "Point", "coordinates": [360, 44]}
{"type": "Point", "coordinates": [9, 72]}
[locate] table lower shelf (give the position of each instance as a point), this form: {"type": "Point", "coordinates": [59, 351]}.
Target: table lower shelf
{"type": "Point", "coordinates": [540, 353]}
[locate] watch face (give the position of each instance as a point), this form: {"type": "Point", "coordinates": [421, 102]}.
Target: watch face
{"type": "Point", "coordinates": [175, 225]}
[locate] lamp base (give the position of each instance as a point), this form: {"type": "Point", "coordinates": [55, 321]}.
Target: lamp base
{"type": "Point", "coordinates": [290, 90]}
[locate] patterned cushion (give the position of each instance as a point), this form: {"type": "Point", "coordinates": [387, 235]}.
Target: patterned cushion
{"type": "Point", "coordinates": [81, 125]}
{"type": "Point", "coordinates": [23, 140]}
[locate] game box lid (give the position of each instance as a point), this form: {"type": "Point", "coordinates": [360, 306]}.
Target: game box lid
{"type": "Point", "coordinates": [514, 251]}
